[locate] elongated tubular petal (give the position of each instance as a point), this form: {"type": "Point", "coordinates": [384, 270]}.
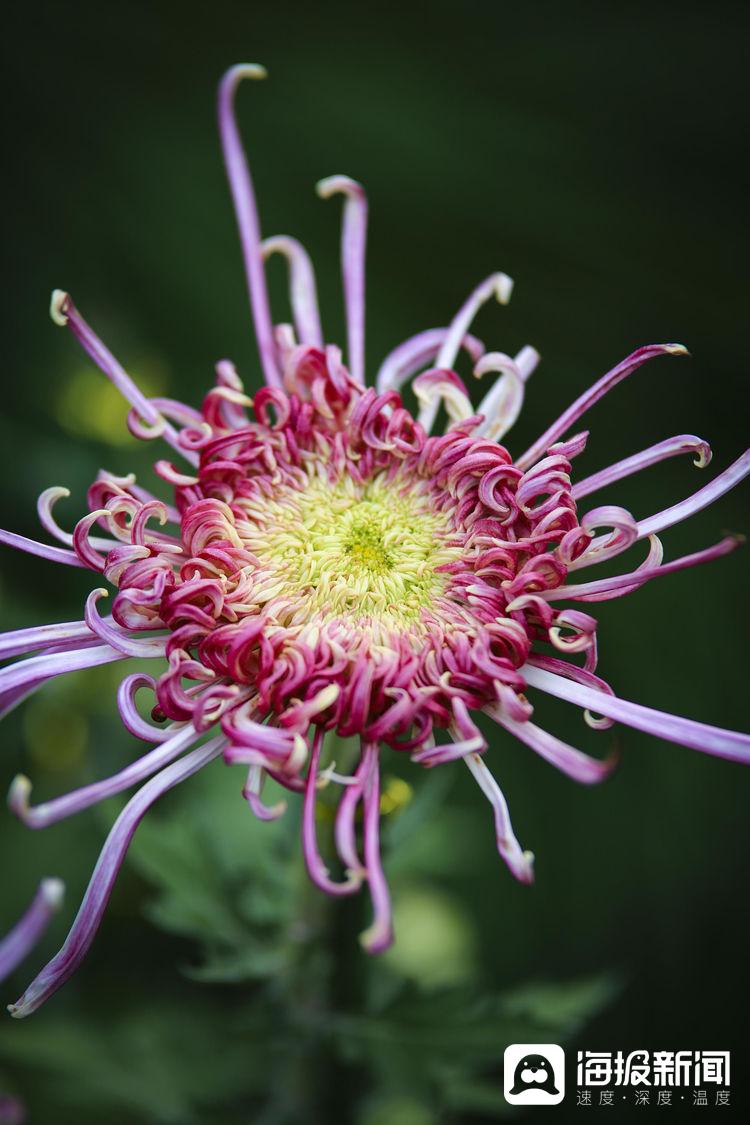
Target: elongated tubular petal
{"type": "Point", "coordinates": [583, 676]}
{"type": "Point", "coordinates": [502, 403]}
{"type": "Point", "coordinates": [23, 937]}
{"type": "Point", "coordinates": [41, 550]}
{"type": "Point", "coordinates": [520, 863]}
{"type": "Point", "coordinates": [246, 212]}
{"type": "Point", "coordinates": [9, 700]}
{"type": "Point", "coordinates": [698, 736]}
{"type": "Point", "coordinates": [44, 506]}
{"type": "Point", "coordinates": [415, 353]}
{"type": "Point", "coordinates": [671, 447]}
{"type": "Point", "coordinates": [316, 868]}
{"type": "Point", "coordinates": [623, 583]}
{"type": "Point", "coordinates": [21, 641]}
{"type": "Point", "coordinates": [37, 668]}
{"type": "Point", "coordinates": [303, 292]}
{"type": "Point", "coordinates": [252, 794]}
{"type": "Point", "coordinates": [59, 808]}
{"type": "Point", "coordinates": [130, 716]}
{"type": "Point", "coordinates": [497, 285]}
{"type": "Point", "coordinates": [84, 928]}
{"type": "Point", "coordinates": [527, 361]}
{"type": "Point", "coordinates": [353, 245]}
{"type": "Point", "coordinates": [466, 735]}
{"type": "Point", "coordinates": [115, 636]}
{"type": "Point", "coordinates": [574, 763]}
{"type": "Point", "coordinates": [64, 312]}
{"type": "Point", "coordinates": [592, 395]}
{"type": "Point", "coordinates": [345, 830]}
{"type": "Point", "coordinates": [699, 500]}
{"type": "Point", "coordinates": [379, 934]}
{"type": "Point", "coordinates": [436, 386]}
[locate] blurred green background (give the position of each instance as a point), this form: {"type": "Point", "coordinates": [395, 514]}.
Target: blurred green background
{"type": "Point", "coordinates": [598, 155]}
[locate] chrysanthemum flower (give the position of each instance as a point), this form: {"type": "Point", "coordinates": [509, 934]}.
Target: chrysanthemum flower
{"type": "Point", "coordinates": [328, 564]}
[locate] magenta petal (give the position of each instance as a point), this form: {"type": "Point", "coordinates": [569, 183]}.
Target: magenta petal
{"type": "Point", "coordinates": [353, 243]}
{"type": "Point", "coordinates": [520, 863]}
{"type": "Point", "coordinates": [82, 933]}
{"type": "Point", "coordinates": [60, 807]}
{"type": "Point", "coordinates": [243, 196]}
{"type": "Point", "coordinates": [584, 403]}
{"type": "Point", "coordinates": [15, 946]}
{"type": "Point", "coordinates": [699, 500]}
{"type": "Point", "coordinates": [316, 868]}
{"type": "Point", "coordinates": [379, 934]}
{"type": "Point", "coordinates": [41, 550]}
{"type": "Point", "coordinates": [574, 763]}
{"type": "Point", "coordinates": [303, 292]}
{"type": "Point", "coordinates": [698, 736]}
{"type": "Point", "coordinates": [417, 352]}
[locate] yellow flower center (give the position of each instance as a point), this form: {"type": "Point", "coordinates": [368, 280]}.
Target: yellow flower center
{"type": "Point", "coordinates": [347, 550]}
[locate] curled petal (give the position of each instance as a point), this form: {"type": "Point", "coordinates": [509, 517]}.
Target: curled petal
{"type": "Point", "coordinates": [579, 766]}
{"type": "Point", "coordinates": [527, 361]}
{"type": "Point", "coordinates": [46, 503]}
{"type": "Point", "coordinates": [698, 736]}
{"type": "Point", "coordinates": [353, 242]}
{"type": "Point", "coordinates": [699, 449]}
{"type": "Point", "coordinates": [316, 868]}
{"type": "Point", "coordinates": [84, 929]}
{"type": "Point", "coordinates": [302, 285]}
{"type": "Point", "coordinates": [699, 500]}
{"type": "Point", "coordinates": [415, 353]}
{"type": "Point", "coordinates": [129, 714]}
{"type": "Point", "coordinates": [520, 863]}
{"type": "Point", "coordinates": [243, 196]}
{"type": "Point", "coordinates": [436, 386]}
{"type": "Point", "coordinates": [592, 395]}
{"type": "Point", "coordinates": [624, 533]}
{"type": "Point", "coordinates": [502, 403]}
{"type": "Point", "coordinates": [17, 944]}
{"type": "Point", "coordinates": [64, 312]}
{"type": "Point", "coordinates": [621, 584]}
{"type": "Point", "coordinates": [573, 631]}
{"type": "Point", "coordinates": [497, 285]}
{"type": "Point", "coordinates": [115, 636]}
{"type": "Point", "coordinates": [379, 934]}
{"type": "Point", "coordinates": [252, 794]}
{"type": "Point", "coordinates": [40, 816]}
{"type": "Point", "coordinates": [345, 829]}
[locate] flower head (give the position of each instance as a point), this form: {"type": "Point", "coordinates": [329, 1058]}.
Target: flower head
{"type": "Point", "coordinates": [327, 563]}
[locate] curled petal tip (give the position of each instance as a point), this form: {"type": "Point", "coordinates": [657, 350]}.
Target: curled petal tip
{"type": "Point", "coordinates": [333, 185]}
{"type": "Point", "coordinates": [703, 455]}
{"type": "Point", "coordinates": [503, 288]}
{"type": "Point", "coordinates": [376, 939]}
{"type": "Point", "coordinates": [58, 307]}
{"type": "Point", "coordinates": [246, 70]}
{"type": "Point", "coordinates": [53, 891]}
{"type": "Point", "coordinates": [20, 1010]}
{"type": "Point", "coordinates": [676, 349]}
{"type": "Point", "coordinates": [525, 873]}
{"type": "Point", "coordinates": [19, 795]}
